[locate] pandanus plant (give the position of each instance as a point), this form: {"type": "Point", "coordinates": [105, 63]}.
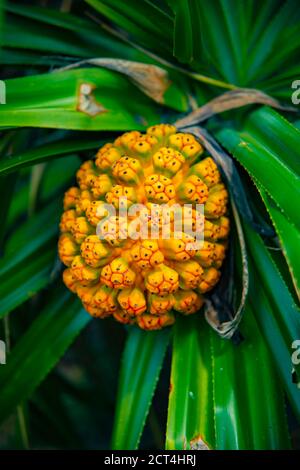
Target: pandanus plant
{"type": "Point", "coordinates": [157, 102]}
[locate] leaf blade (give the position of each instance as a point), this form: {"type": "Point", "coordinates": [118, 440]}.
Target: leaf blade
{"type": "Point", "coordinates": [39, 350]}
{"type": "Point", "coordinates": [275, 177]}
{"type": "Point", "coordinates": [190, 409]}
{"type": "Point", "coordinates": [142, 361]}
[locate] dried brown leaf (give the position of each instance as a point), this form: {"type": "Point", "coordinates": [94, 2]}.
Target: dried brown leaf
{"type": "Point", "coordinates": [230, 100]}
{"type": "Point", "coordinates": [151, 79]}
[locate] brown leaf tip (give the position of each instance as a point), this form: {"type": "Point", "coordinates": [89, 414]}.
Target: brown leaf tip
{"type": "Point", "coordinates": [198, 444]}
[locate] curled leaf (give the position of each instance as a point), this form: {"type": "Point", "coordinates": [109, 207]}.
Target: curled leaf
{"type": "Point", "coordinates": [227, 328]}
{"type": "Point", "coordinates": [230, 100]}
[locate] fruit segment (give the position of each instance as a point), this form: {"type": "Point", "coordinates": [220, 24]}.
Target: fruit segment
{"type": "Point", "coordinates": [162, 280]}
{"type": "Point", "coordinates": [117, 274]}
{"type": "Point", "coordinates": [132, 301]}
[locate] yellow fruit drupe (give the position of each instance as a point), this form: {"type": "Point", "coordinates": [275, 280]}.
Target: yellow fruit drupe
{"type": "Point", "coordinates": [115, 271]}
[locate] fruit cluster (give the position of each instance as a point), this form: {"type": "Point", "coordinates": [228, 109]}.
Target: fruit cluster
{"type": "Point", "coordinates": [133, 279]}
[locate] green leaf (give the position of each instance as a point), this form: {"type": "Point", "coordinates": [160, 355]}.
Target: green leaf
{"type": "Point", "coordinates": [22, 33]}
{"type": "Point", "coordinates": [152, 80]}
{"type": "Point", "coordinates": [277, 134]}
{"type": "Point", "coordinates": [56, 18]}
{"type": "Point", "coordinates": [117, 104]}
{"type": "Point", "coordinates": [141, 364]}
{"type": "Point", "coordinates": [7, 184]}
{"type": "Point", "coordinates": [1, 19]}
{"type": "Point", "coordinates": [215, 30]}
{"type": "Point", "coordinates": [220, 393]}
{"type": "Point", "coordinates": [39, 349]}
{"type": "Point", "coordinates": [272, 35]}
{"type": "Point", "coordinates": [25, 283]}
{"type": "Point", "coordinates": [67, 31]}
{"type": "Point", "coordinates": [30, 235]}
{"type": "Point", "coordinates": [20, 57]}
{"type": "Point", "coordinates": [268, 168]}
{"type": "Point", "coordinates": [289, 238]}
{"type": "Point", "coordinates": [26, 249]}
{"type": "Point", "coordinates": [46, 152]}
{"type": "Point", "coordinates": [230, 40]}
{"type": "Point", "coordinates": [244, 380]}
{"type": "Point", "coordinates": [148, 24]}
{"type": "Point", "coordinates": [187, 45]}
{"type": "Point", "coordinates": [51, 31]}
{"type": "Point", "coordinates": [190, 411]}
{"type": "Point", "coordinates": [283, 308]}
{"type": "Point", "coordinates": [274, 166]}
{"type": "Point", "coordinates": [9, 142]}
{"type": "Point", "coordinates": [278, 344]}
{"type": "Point", "coordinates": [54, 32]}
{"type": "Point", "coordinates": [28, 258]}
